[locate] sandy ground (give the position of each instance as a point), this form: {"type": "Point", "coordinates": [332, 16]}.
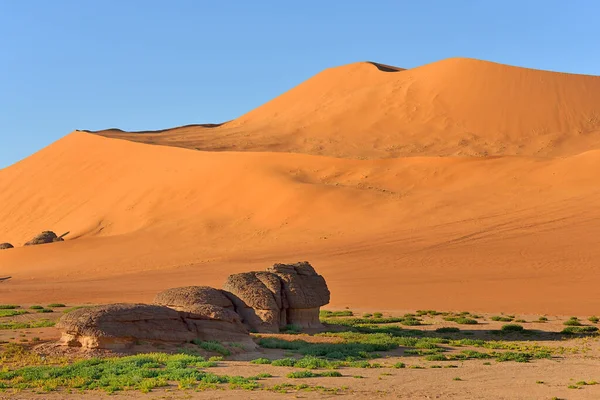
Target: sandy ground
{"type": "Point", "coordinates": [378, 178]}
{"type": "Point", "coordinates": [538, 379]}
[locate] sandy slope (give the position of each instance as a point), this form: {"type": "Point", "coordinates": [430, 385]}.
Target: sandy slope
{"type": "Point", "coordinates": [456, 106]}
{"type": "Point", "coordinates": [513, 233]}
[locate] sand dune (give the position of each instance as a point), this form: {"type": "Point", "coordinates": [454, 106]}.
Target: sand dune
{"type": "Point", "coordinates": [452, 107]}
{"type": "Point", "coordinates": [316, 174]}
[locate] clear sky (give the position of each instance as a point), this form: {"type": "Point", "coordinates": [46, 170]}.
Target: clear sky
{"type": "Point", "coordinates": [146, 64]}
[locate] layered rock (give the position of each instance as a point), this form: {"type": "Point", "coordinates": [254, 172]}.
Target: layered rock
{"type": "Point", "coordinates": [4, 246]}
{"type": "Point", "coordinates": [118, 326]}
{"type": "Point", "coordinates": [46, 237]}
{"type": "Point", "coordinates": [121, 326]}
{"type": "Point", "coordinates": [209, 311]}
{"type": "Point", "coordinates": [305, 292]}
{"type": "Point", "coordinates": [257, 299]}
{"type": "Point", "coordinates": [184, 298]}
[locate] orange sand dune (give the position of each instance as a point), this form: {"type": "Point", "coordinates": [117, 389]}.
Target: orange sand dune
{"type": "Point", "coordinates": [350, 170]}
{"type": "Point", "coordinates": [496, 234]}
{"type": "Point", "coordinates": [452, 107]}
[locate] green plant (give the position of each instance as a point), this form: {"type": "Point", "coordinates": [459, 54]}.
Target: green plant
{"type": "Point", "coordinates": [377, 315]}
{"type": "Point", "coordinates": [594, 319]}
{"type": "Point", "coordinates": [542, 319]}
{"type": "Point", "coordinates": [213, 346]}
{"type": "Point", "coordinates": [512, 328]}
{"type": "Point", "coordinates": [11, 312]}
{"type": "Point", "coordinates": [570, 330]}
{"type": "Point", "coordinates": [501, 318]}
{"type": "Point", "coordinates": [457, 379]}
{"type": "Point", "coordinates": [328, 314]}
{"type": "Point", "coordinates": [8, 306]}
{"type": "Point", "coordinates": [573, 321]}
{"type": "Point", "coordinates": [261, 361]}
{"type": "Point", "coordinates": [45, 310]}
{"type": "Point", "coordinates": [399, 365]}
{"type": "Point", "coordinates": [291, 328]}
{"type": "Point", "coordinates": [26, 325]}
{"type": "Point", "coordinates": [55, 305]}
{"type": "Point", "coordinates": [367, 315]}
{"type": "Point", "coordinates": [36, 307]}
{"type": "Point", "coordinates": [462, 320]}
{"type": "Point", "coordinates": [310, 374]}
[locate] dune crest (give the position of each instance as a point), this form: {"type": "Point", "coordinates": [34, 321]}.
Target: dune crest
{"type": "Point", "coordinates": [453, 107]}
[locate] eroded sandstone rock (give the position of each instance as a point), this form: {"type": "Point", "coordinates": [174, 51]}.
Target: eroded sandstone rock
{"type": "Point", "coordinates": [46, 237]}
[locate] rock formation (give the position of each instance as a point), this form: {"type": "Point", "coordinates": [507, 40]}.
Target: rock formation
{"type": "Point", "coordinates": [304, 291]}
{"type": "Point", "coordinates": [46, 237]}
{"type": "Point", "coordinates": [4, 246]}
{"type": "Point", "coordinates": [120, 326]}
{"type": "Point", "coordinates": [257, 299]}
{"type": "Point", "coordinates": [262, 301]}
{"type": "Point", "coordinates": [285, 294]}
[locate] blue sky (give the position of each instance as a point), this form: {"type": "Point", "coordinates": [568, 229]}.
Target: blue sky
{"type": "Point", "coordinates": [73, 64]}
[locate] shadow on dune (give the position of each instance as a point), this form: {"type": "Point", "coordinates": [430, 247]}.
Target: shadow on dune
{"type": "Point", "coordinates": [386, 68]}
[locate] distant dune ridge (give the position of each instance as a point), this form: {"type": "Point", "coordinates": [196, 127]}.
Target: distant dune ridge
{"type": "Point", "coordinates": [459, 184]}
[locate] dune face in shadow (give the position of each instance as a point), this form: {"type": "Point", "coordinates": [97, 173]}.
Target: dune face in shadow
{"type": "Point", "coordinates": [386, 68]}
{"type": "Point", "coordinates": [461, 184]}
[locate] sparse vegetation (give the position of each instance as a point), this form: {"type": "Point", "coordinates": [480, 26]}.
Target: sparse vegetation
{"type": "Point", "coordinates": [8, 306]}
{"type": "Point", "coordinates": [542, 319]}
{"type": "Point", "coordinates": [26, 325]}
{"type": "Point", "coordinates": [593, 319]}
{"type": "Point", "coordinates": [501, 318]}
{"type": "Point", "coordinates": [570, 330]}
{"type": "Point", "coordinates": [573, 321]}
{"type": "Point", "coordinates": [55, 305]}
{"type": "Point", "coordinates": [377, 315]}
{"type": "Point", "coordinates": [310, 374]}
{"type": "Point", "coordinates": [512, 328]}
{"type": "Point", "coordinates": [11, 312]}
{"type": "Point", "coordinates": [329, 314]}
{"type": "Point", "coordinates": [212, 346]}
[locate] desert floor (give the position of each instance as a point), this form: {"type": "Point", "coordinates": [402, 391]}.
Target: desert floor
{"type": "Point", "coordinates": [561, 365]}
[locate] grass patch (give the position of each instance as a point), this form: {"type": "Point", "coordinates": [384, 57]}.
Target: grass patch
{"type": "Point", "coordinates": [461, 320]}
{"type": "Point", "coordinates": [8, 306]}
{"type": "Point", "coordinates": [329, 314]}
{"type": "Point", "coordinates": [512, 328]}
{"type": "Point", "coordinates": [593, 319]}
{"type": "Point", "coordinates": [36, 307]}
{"type": "Point", "coordinates": [11, 312]}
{"type": "Point", "coordinates": [26, 325]}
{"type": "Point", "coordinates": [44, 311]}
{"type": "Point", "coordinates": [261, 361]}
{"type": "Point", "coordinates": [310, 374]}
{"type": "Point", "coordinates": [501, 318]}
{"type": "Point", "coordinates": [142, 372]}
{"type": "Point", "coordinates": [377, 315]}
{"type": "Point", "coordinates": [212, 346]}
{"type": "Point", "coordinates": [542, 319]}
{"type": "Point", "coordinates": [572, 330]}
{"type": "Point", "coordinates": [56, 305]}
{"type": "Point", "coordinates": [291, 328]}
{"type": "Point", "coordinates": [573, 321]}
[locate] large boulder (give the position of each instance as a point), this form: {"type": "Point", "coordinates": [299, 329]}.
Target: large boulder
{"type": "Point", "coordinates": [209, 311]}
{"type": "Point", "coordinates": [185, 298]}
{"type": "Point", "coordinates": [46, 237]}
{"type": "Point", "coordinates": [4, 246]}
{"type": "Point", "coordinates": [118, 326]}
{"type": "Point", "coordinates": [305, 292]}
{"type": "Point", "coordinates": [257, 298]}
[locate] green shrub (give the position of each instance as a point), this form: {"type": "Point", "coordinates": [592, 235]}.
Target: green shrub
{"type": "Point", "coordinates": [8, 306]}
{"type": "Point", "coordinates": [212, 346]}
{"type": "Point", "coordinates": [570, 330]}
{"type": "Point", "coordinates": [261, 361]}
{"type": "Point", "coordinates": [44, 310]}
{"type": "Point", "coordinates": [377, 315]}
{"type": "Point", "coordinates": [328, 314]}
{"type": "Point", "coordinates": [367, 315]}
{"type": "Point", "coordinates": [55, 305]}
{"type": "Point", "coordinates": [542, 319]}
{"type": "Point", "coordinates": [284, 362]}
{"type": "Point", "coordinates": [501, 318]}
{"type": "Point", "coordinates": [512, 328]}
{"type": "Point", "coordinates": [36, 307]}
{"type": "Point", "coordinates": [573, 321]}
{"type": "Point", "coordinates": [399, 365]}
{"type": "Point", "coordinates": [594, 319]}
{"type": "Point", "coordinates": [11, 312]}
